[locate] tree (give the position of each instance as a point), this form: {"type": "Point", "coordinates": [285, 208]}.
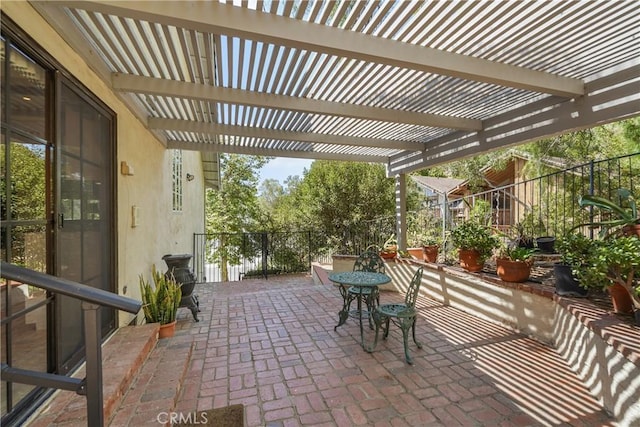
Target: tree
{"type": "Point", "coordinates": [26, 182]}
{"type": "Point", "coordinates": [234, 208]}
{"type": "Point", "coordinates": [340, 199]}
{"type": "Point", "coordinates": [598, 143]}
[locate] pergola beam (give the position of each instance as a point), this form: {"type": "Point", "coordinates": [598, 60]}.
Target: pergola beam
{"type": "Point", "coordinates": [253, 132]}
{"type": "Point", "coordinates": [258, 151]}
{"type": "Point", "coordinates": [611, 98]}
{"type": "Point", "coordinates": [196, 91]}
{"type": "Point", "coordinates": [216, 18]}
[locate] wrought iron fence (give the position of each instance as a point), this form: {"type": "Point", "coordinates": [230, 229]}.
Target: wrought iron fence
{"type": "Point", "coordinates": [543, 206]}
{"type": "Point", "coordinates": [548, 205]}
{"type": "Point", "coordinates": [235, 256]}
{"type": "Point", "coordinates": [223, 257]}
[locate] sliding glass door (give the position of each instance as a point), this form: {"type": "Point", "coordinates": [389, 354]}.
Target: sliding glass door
{"type": "Point", "coordinates": [57, 180]}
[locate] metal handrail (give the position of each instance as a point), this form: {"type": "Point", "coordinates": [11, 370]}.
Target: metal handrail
{"type": "Point", "coordinates": [69, 288]}
{"type": "Point", "coordinates": [92, 299]}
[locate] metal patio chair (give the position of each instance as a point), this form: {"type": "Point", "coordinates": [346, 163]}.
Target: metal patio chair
{"type": "Point", "coordinates": [402, 314]}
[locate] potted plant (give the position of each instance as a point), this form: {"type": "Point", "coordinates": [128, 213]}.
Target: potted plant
{"type": "Point", "coordinates": [546, 244]}
{"type": "Point", "coordinates": [389, 248]}
{"type": "Point", "coordinates": [160, 301]}
{"type": "Point", "coordinates": [475, 243]}
{"type": "Point", "coordinates": [574, 249]}
{"type": "Point", "coordinates": [614, 264]}
{"type": "Point", "coordinates": [415, 246]}
{"type": "Point", "coordinates": [424, 246]}
{"type": "Point", "coordinates": [430, 246]}
{"type": "Point", "coordinates": [513, 264]}
{"type": "Point", "coordinates": [622, 212]}
{"type": "Point", "coordinates": [521, 235]}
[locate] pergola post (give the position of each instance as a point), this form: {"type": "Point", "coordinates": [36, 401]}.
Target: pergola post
{"type": "Point", "coordinates": [401, 210]}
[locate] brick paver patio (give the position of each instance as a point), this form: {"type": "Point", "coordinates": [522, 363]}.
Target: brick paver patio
{"type": "Point", "coordinates": [270, 345]}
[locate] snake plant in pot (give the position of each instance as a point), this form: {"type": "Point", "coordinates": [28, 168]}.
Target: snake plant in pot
{"type": "Point", "coordinates": [160, 301]}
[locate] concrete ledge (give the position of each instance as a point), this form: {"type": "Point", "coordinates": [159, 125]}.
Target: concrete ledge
{"type": "Point", "coordinates": [603, 352]}
{"type": "Point", "coordinates": [319, 275]}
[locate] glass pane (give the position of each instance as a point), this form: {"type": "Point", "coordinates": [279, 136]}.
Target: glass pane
{"type": "Point", "coordinates": [28, 336]}
{"type": "Point", "coordinates": [26, 94]}
{"type": "Point", "coordinates": [26, 347]}
{"type": "Point", "coordinates": [28, 246]}
{"type": "Point", "coordinates": [3, 179]}
{"type": "Point", "coordinates": [27, 180]}
{"type": "Point", "coordinates": [4, 402]}
{"type": "Point", "coordinates": [3, 84]}
{"type": "Point", "coordinates": [85, 188]}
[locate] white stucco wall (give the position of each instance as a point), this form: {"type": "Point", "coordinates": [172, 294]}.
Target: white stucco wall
{"type": "Point", "coordinates": [160, 231]}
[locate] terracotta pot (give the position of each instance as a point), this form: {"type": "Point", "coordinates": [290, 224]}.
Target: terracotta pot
{"type": "Point", "coordinates": [430, 253]}
{"type": "Point", "coordinates": [622, 302]}
{"type": "Point", "coordinates": [470, 260]}
{"type": "Point", "coordinates": [632, 230]}
{"type": "Point", "coordinates": [415, 252]}
{"type": "Point", "coordinates": [168, 330]}
{"type": "Point", "coordinates": [388, 255]}
{"type": "Point", "coordinates": [512, 271]}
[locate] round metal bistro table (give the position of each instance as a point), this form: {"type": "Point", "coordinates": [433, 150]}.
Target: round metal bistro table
{"type": "Point", "coordinates": [360, 279]}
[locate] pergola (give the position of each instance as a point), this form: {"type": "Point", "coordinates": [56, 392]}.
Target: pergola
{"type": "Point", "coordinates": [410, 84]}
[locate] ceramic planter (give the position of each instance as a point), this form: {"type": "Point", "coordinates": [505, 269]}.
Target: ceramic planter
{"type": "Point", "coordinates": [566, 283]}
{"type": "Point", "coordinates": [513, 271]}
{"type": "Point", "coordinates": [388, 255]}
{"type": "Point", "coordinates": [470, 260]}
{"type": "Point", "coordinates": [632, 230]}
{"type": "Point", "coordinates": [168, 330]}
{"type": "Point", "coordinates": [415, 252]}
{"type": "Point", "coordinates": [622, 302]}
{"type": "Point", "coordinates": [430, 253]}
{"type": "Point", "coordinates": [546, 244]}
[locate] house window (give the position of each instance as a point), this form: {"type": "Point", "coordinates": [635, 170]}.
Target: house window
{"type": "Point", "coordinates": [177, 181]}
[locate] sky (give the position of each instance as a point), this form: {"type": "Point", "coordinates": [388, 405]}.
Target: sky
{"type": "Point", "coordinates": [281, 168]}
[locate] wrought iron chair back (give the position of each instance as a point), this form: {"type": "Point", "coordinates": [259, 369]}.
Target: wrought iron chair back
{"type": "Point", "coordinates": [402, 315]}
{"type": "Point", "coordinates": [369, 261]}
{"type": "Point", "coordinates": [414, 287]}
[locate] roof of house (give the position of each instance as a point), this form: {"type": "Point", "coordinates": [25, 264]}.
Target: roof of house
{"type": "Point", "coordinates": [439, 185]}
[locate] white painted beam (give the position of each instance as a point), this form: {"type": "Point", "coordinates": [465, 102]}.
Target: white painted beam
{"type": "Point", "coordinates": [611, 98]}
{"type": "Point", "coordinates": [255, 151]}
{"type": "Point", "coordinates": [254, 132]}
{"type": "Point", "coordinates": [216, 18]}
{"type": "Point", "coordinates": [164, 87]}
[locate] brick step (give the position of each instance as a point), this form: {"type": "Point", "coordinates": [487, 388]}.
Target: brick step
{"type": "Point", "coordinates": [155, 390]}
{"type": "Point", "coordinates": [123, 356]}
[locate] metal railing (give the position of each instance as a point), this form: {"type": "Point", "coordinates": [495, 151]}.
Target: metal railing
{"type": "Point", "coordinates": [92, 299]}
{"type": "Point", "coordinates": [235, 256]}
{"type": "Point", "coordinates": [542, 206]}
{"type": "Point", "coordinates": [548, 205]}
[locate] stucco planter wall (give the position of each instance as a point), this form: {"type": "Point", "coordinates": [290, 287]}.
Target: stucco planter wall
{"type": "Point", "coordinates": [614, 378]}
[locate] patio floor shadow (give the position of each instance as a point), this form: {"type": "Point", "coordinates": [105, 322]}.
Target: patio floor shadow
{"type": "Point", "coordinates": [270, 345]}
